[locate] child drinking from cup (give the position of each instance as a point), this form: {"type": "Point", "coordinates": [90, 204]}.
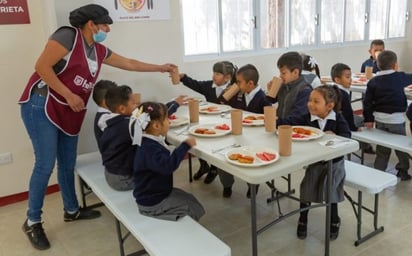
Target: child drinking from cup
{"type": "Point", "coordinates": [154, 166]}
{"type": "Point", "coordinates": [377, 46]}
{"type": "Point", "coordinates": [222, 79]}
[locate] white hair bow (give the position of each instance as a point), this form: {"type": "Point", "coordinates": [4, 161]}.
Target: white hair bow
{"type": "Point", "coordinates": [140, 120]}
{"type": "Point", "coordinates": [312, 62]}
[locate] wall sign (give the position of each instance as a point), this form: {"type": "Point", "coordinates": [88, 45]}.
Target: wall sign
{"type": "Point", "coordinates": [135, 10]}
{"type": "Point", "coordinates": [14, 12]}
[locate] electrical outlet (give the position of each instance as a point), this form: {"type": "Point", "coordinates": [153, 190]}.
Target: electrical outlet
{"type": "Point", "coordinates": [6, 158]}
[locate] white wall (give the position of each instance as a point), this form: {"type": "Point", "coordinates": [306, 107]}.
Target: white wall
{"type": "Point", "coordinates": [150, 41]}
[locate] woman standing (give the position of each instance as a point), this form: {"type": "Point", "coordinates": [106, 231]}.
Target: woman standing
{"type": "Point", "coordinates": [53, 106]}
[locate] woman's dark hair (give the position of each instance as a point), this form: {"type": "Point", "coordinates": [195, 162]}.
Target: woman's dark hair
{"type": "Point", "coordinates": [117, 96]}
{"type": "Point", "coordinates": [100, 89]}
{"type": "Point", "coordinates": [249, 73]}
{"type": "Point", "coordinates": [226, 68]}
{"type": "Point", "coordinates": [331, 93]}
{"type": "Point", "coordinates": [337, 70]}
{"type": "Point", "coordinates": [157, 111]}
{"type": "Point", "coordinates": [291, 61]}
{"type": "Point", "coordinates": [309, 63]}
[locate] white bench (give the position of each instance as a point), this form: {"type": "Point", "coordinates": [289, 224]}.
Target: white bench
{"type": "Point", "coordinates": [368, 180]}
{"type": "Point", "coordinates": [184, 237]}
{"type": "Point", "coordinates": [386, 139]}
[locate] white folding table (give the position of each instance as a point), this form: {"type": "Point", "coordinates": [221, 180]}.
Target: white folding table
{"type": "Point", "coordinates": [303, 154]}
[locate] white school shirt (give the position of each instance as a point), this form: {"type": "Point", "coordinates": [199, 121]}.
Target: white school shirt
{"type": "Point", "coordinates": [322, 122]}
{"type": "Point", "coordinates": [249, 96]}
{"type": "Point", "coordinates": [219, 89]}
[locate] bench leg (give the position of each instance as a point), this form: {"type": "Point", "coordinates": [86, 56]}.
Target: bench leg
{"type": "Point", "coordinates": [85, 190]}
{"type": "Point", "coordinates": [121, 240]}
{"type": "Point", "coordinates": [358, 214]}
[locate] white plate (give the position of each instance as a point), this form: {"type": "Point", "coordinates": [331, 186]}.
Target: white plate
{"type": "Point", "coordinates": [247, 122]}
{"type": "Point", "coordinates": [178, 121]}
{"type": "Point", "coordinates": [218, 132]}
{"type": "Point", "coordinates": [315, 133]}
{"type": "Point", "coordinates": [214, 109]}
{"type": "Point", "coordinates": [252, 151]}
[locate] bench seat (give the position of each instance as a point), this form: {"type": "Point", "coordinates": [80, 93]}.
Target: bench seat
{"type": "Point", "coordinates": [184, 237]}
{"type": "Point", "coordinates": [371, 181]}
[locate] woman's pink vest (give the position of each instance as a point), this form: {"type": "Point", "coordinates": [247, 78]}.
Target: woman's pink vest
{"type": "Point", "coordinates": [78, 78]}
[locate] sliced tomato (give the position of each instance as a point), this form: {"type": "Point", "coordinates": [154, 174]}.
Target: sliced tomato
{"type": "Point", "coordinates": [247, 121]}
{"type": "Point", "coordinates": [298, 135]}
{"type": "Point", "coordinates": [261, 156]}
{"type": "Point", "coordinates": [269, 156]}
{"type": "Point", "coordinates": [172, 117]}
{"type": "Point", "coordinates": [222, 127]}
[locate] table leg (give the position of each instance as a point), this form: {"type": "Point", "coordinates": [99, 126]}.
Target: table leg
{"type": "Point", "coordinates": [328, 208]}
{"type": "Point", "coordinates": [253, 220]}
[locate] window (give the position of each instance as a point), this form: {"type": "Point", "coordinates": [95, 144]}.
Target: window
{"type": "Point", "coordinates": [272, 23]}
{"type": "Point", "coordinates": [355, 20]}
{"type": "Point", "coordinates": [223, 26]}
{"type": "Point", "coordinates": [303, 21]}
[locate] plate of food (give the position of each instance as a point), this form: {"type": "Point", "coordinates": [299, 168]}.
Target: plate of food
{"type": "Point", "coordinates": [176, 120]}
{"type": "Point", "coordinates": [408, 88]}
{"type": "Point", "coordinates": [210, 130]}
{"type": "Point", "coordinates": [252, 156]}
{"type": "Point", "coordinates": [214, 109]}
{"type": "Point", "coordinates": [253, 120]}
{"type": "Point", "coordinates": [359, 75]}
{"type": "Point", "coordinates": [304, 133]}
{"type": "Point", "coordinates": [186, 100]}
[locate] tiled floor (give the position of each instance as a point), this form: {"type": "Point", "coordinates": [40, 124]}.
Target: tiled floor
{"type": "Point", "coordinates": [229, 219]}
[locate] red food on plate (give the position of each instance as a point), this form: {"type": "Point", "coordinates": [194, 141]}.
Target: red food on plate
{"type": "Point", "coordinates": [266, 156]}
{"type": "Point", "coordinates": [223, 127]}
{"type": "Point", "coordinates": [210, 109]}
{"type": "Point", "coordinates": [247, 121]}
{"type": "Point", "coordinates": [172, 117]}
{"type": "Point", "coordinates": [298, 135]}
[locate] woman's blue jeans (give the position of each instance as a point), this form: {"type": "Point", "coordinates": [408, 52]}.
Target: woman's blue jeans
{"type": "Point", "coordinates": [49, 144]}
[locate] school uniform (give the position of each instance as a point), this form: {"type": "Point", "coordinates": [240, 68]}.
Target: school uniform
{"type": "Point", "coordinates": [385, 104]}
{"type": "Point", "coordinates": [369, 63]}
{"type": "Point", "coordinates": [311, 78]}
{"type": "Point", "coordinates": [153, 181]}
{"type": "Point", "coordinates": [409, 115]}
{"type": "Point", "coordinates": [293, 98]}
{"type": "Point", "coordinates": [212, 92]}
{"type": "Point", "coordinates": [117, 152]}
{"type": "Point", "coordinates": [346, 107]}
{"type": "Point", "coordinates": [313, 185]}
{"type": "Point", "coordinates": [100, 118]}
{"type": "Point", "coordinates": [254, 101]}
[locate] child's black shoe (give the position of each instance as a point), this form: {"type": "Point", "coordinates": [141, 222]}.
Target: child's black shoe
{"type": "Point", "coordinates": [302, 230]}
{"type": "Point", "coordinates": [334, 230]}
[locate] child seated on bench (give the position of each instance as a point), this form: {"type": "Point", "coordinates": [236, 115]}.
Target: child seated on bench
{"type": "Point", "coordinates": [384, 107]}
{"type": "Point", "coordinates": [115, 143]}
{"type": "Point", "coordinates": [324, 113]}
{"type": "Point", "coordinates": [154, 166]}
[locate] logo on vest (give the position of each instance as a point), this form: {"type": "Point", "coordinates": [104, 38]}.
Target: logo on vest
{"type": "Point", "coordinates": [80, 81]}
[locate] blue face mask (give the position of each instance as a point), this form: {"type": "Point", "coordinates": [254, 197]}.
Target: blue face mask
{"type": "Point", "coordinates": [100, 36]}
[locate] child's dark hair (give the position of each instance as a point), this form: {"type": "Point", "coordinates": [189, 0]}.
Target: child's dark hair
{"type": "Point", "coordinates": [157, 111]}
{"type": "Point", "coordinates": [290, 60]}
{"type": "Point", "coordinates": [249, 73]}
{"type": "Point", "coordinates": [387, 60]}
{"type": "Point", "coordinates": [331, 93]}
{"type": "Point", "coordinates": [377, 42]}
{"type": "Point", "coordinates": [226, 68]}
{"type": "Point", "coordinates": [117, 96]}
{"type": "Point", "coordinates": [100, 89]}
{"type": "Point", "coordinates": [337, 70]}
{"type": "Point", "coordinates": [309, 63]}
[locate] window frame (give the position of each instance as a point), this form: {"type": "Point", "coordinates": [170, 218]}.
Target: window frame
{"type": "Point", "coordinates": [257, 49]}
